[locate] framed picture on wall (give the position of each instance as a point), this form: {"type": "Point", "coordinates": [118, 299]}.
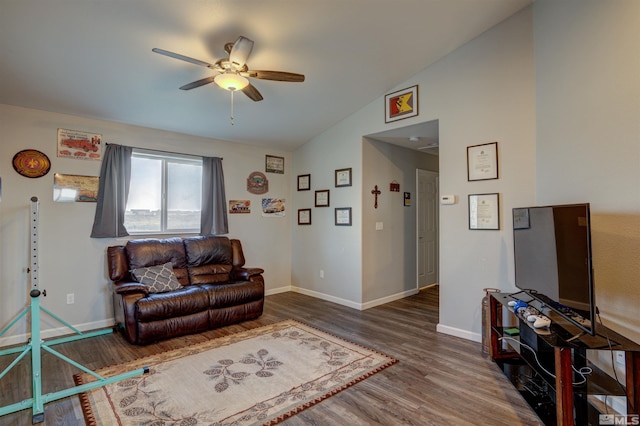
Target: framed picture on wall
{"type": "Point", "coordinates": [343, 216]}
{"type": "Point", "coordinates": [343, 177]}
{"type": "Point", "coordinates": [304, 216]}
{"type": "Point", "coordinates": [274, 164]}
{"type": "Point", "coordinates": [304, 182]}
{"type": "Point", "coordinates": [482, 161]}
{"type": "Point", "coordinates": [401, 104]}
{"type": "Point", "coordinates": [322, 198]}
{"type": "Point", "coordinates": [484, 211]}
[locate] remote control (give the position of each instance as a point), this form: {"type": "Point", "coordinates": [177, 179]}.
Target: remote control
{"type": "Point", "coordinates": [541, 321]}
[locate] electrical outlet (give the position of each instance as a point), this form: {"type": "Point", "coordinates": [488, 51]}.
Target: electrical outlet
{"type": "Point", "coordinates": [321, 273]}
{"type": "Point", "coordinates": [620, 357]}
{"type": "Point", "coordinates": [71, 299]}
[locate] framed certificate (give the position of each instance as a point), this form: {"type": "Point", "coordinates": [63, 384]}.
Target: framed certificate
{"type": "Point", "coordinates": [304, 216]}
{"type": "Point", "coordinates": [304, 182]}
{"type": "Point", "coordinates": [343, 177]}
{"type": "Point", "coordinates": [484, 211]}
{"type": "Point", "coordinates": [322, 198]}
{"type": "Point", "coordinates": [273, 164]}
{"type": "Point", "coordinates": [343, 216]}
{"type": "Point", "coordinates": [482, 161]}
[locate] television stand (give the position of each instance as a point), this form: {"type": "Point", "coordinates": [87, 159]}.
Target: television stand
{"type": "Point", "coordinates": [577, 336]}
{"type": "Point", "coordinates": [543, 370]}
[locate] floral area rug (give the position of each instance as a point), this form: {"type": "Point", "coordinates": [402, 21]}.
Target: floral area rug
{"type": "Point", "coordinates": [260, 376]}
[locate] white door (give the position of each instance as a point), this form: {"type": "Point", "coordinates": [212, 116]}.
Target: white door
{"type": "Point", "coordinates": [427, 227]}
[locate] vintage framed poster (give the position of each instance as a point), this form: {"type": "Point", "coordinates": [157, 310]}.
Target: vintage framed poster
{"type": "Point", "coordinates": [484, 211]}
{"type": "Point", "coordinates": [401, 104]}
{"type": "Point", "coordinates": [273, 164]}
{"type": "Point", "coordinates": [343, 177]}
{"type": "Point", "coordinates": [79, 145]}
{"type": "Point", "coordinates": [74, 188]}
{"type": "Point", "coordinates": [322, 198]}
{"type": "Point", "coordinates": [304, 182]}
{"type": "Point", "coordinates": [273, 207]}
{"type": "Point", "coordinates": [239, 206]}
{"type": "Point", "coordinates": [343, 216]}
{"type": "Point", "coordinates": [482, 161]}
{"type": "Point", "coordinates": [304, 216]}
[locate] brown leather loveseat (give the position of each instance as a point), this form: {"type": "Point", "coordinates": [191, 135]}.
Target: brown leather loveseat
{"type": "Point", "coordinates": [164, 288]}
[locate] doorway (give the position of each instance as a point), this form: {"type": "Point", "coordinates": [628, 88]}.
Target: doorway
{"type": "Point", "coordinates": [427, 225]}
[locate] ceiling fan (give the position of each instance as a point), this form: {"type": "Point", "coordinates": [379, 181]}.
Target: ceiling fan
{"type": "Point", "coordinates": [233, 71]}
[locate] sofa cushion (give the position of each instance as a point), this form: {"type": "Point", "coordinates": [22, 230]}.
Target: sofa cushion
{"type": "Point", "coordinates": [182, 302]}
{"type": "Point", "coordinates": [158, 278]}
{"type": "Point", "coordinates": [209, 259]}
{"type": "Point", "coordinates": [153, 251]}
{"type": "Point", "coordinates": [225, 295]}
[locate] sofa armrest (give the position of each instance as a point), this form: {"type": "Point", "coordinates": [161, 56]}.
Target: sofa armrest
{"type": "Point", "coordinates": [245, 274]}
{"type": "Point", "coordinates": [131, 287]}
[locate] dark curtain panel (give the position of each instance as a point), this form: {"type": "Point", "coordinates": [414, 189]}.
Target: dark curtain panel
{"type": "Point", "coordinates": [113, 190]}
{"type": "Point", "coordinates": [213, 218]}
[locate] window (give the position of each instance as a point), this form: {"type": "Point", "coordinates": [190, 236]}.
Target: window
{"type": "Point", "coordinates": [164, 194]}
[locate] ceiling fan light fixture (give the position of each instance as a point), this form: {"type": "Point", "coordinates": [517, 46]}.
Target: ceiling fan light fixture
{"type": "Point", "coordinates": [231, 81]}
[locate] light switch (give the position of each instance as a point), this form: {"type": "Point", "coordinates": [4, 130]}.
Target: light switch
{"type": "Point", "coordinates": [379, 226]}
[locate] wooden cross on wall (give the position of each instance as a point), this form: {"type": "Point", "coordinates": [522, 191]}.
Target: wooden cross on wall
{"type": "Point", "coordinates": [375, 191]}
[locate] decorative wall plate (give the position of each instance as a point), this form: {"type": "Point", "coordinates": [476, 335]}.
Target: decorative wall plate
{"type": "Point", "coordinates": [257, 183]}
{"type": "Point", "coordinates": [31, 163]}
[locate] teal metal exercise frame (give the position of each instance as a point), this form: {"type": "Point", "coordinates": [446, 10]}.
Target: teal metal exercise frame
{"type": "Point", "coordinates": [36, 345]}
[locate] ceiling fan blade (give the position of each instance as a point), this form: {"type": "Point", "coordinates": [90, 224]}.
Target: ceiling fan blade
{"type": "Point", "coordinates": [240, 51]}
{"type": "Point", "coordinates": [275, 75]}
{"type": "Point", "coordinates": [252, 93]}
{"type": "Point", "coordinates": [198, 83]}
{"type": "Point", "coordinates": [182, 57]}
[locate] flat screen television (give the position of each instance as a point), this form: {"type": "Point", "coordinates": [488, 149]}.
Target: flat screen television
{"type": "Point", "coordinates": [553, 261]}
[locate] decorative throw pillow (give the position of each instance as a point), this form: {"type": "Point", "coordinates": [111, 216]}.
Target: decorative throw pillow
{"type": "Point", "coordinates": [158, 278]}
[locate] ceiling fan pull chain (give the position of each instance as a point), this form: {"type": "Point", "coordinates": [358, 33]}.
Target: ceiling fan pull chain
{"type": "Point", "coordinates": [231, 117]}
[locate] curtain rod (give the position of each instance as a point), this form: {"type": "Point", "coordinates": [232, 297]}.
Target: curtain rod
{"type": "Point", "coordinates": [162, 151]}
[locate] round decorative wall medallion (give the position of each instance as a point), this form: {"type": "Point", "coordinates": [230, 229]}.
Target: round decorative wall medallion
{"type": "Point", "coordinates": [31, 163]}
{"type": "Point", "coordinates": [257, 183]}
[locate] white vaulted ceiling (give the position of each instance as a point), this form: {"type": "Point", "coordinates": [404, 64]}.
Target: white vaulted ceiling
{"type": "Point", "coordinates": [93, 58]}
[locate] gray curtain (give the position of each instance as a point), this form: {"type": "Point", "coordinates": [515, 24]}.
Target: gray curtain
{"type": "Point", "coordinates": [113, 190]}
{"type": "Point", "coordinates": [213, 219]}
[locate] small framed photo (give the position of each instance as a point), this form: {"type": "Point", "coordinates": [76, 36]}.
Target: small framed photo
{"type": "Point", "coordinates": [343, 177]}
{"type": "Point", "coordinates": [482, 161]}
{"type": "Point", "coordinates": [484, 211]}
{"type": "Point", "coordinates": [521, 218]}
{"type": "Point", "coordinates": [274, 164]}
{"type": "Point", "coordinates": [401, 104]}
{"type": "Point", "coordinates": [304, 182]}
{"type": "Point", "coordinates": [343, 216]}
{"type": "Point", "coordinates": [304, 216]}
{"type": "Point", "coordinates": [322, 198]}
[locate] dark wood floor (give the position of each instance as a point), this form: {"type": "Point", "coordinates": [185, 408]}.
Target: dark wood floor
{"type": "Point", "coordinates": [440, 380]}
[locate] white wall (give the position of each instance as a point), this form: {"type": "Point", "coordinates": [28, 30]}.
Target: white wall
{"type": "Point", "coordinates": [588, 146]}
{"type": "Point", "coordinates": [70, 261]}
{"type": "Point", "coordinates": [482, 92]}
{"type": "Point", "coordinates": [336, 250]}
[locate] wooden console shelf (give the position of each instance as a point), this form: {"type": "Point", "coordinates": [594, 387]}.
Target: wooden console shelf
{"type": "Point", "coordinates": [560, 400]}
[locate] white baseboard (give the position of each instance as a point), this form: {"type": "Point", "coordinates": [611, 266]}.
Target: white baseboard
{"type": "Point", "coordinates": [56, 332]}
{"type": "Point", "coordinates": [327, 297]}
{"type": "Point", "coordinates": [389, 298]}
{"type": "Point", "coordinates": [277, 290]}
{"type": "Point", "coordinates": [457, 332]}
{"type": "Point", "coordinates": [352, 304]}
